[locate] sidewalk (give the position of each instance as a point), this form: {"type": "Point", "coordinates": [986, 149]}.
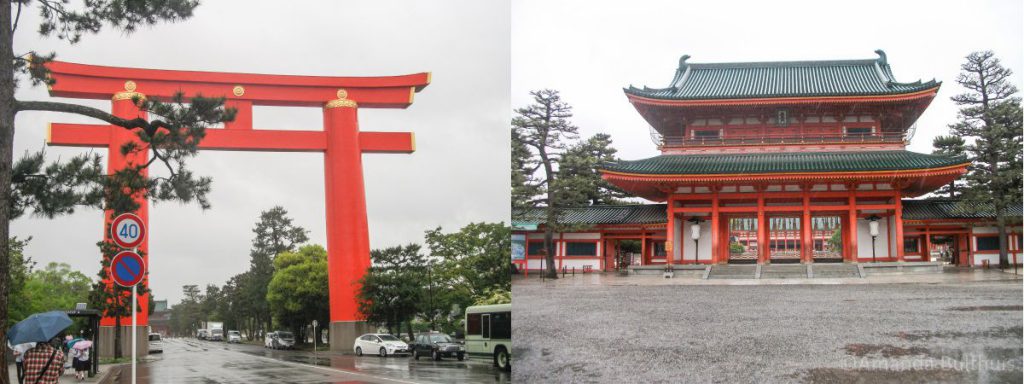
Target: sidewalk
{"type": "Point", "coordinates": [69, 375]}
{"type": "Point", "coordinates": [950, 275]}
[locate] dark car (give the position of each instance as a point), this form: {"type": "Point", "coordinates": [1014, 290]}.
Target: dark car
{"type": "Point", "coordinates": [436, 345]}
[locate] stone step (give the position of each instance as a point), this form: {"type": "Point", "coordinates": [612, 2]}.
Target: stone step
{"type": "Point", "coordinates": [742, 271]}
{"type": "Point", "coordinates": [783, 271]}
{"type": "Point", "coordinates": [836, 270]}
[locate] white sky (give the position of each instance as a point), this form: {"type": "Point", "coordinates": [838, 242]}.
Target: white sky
{"type": "Point", "coordinates": [590, 53]}
{"type": "Point", "coordinates": [458, 175]}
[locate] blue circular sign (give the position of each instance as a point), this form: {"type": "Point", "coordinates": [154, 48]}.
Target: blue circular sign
{"type": "Point", "coordinates": [127, 268]}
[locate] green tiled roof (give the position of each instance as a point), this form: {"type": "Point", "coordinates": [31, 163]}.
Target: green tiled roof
{"type": "Point", "coordinates": [598, 214]}
{"type": "Point", "coordinates": [693, 81]}
{"type": "Point", "coordinates": [655, 213]}
{"type": "Point", "coordinates": [782, 162]}
{"type": "Point", "coordinates": [951, 209]}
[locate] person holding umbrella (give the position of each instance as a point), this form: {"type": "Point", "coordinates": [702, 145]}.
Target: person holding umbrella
{"type": "Point", "coordinates": [80, 362]}
{"type": "Point", "coordinates": [43, 364]}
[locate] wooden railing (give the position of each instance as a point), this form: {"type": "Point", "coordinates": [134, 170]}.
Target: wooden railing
{"type": "Point", "coordinates": [888, 137]}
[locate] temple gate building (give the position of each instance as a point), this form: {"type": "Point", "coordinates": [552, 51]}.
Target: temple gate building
{"type": "Point", "coordinates": [778, 162]}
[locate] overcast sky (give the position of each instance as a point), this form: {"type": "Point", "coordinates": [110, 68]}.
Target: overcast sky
{"type": "Point", "coordinates": [591, 53]}
{"type": "Point", "coordinates": [458, 174]}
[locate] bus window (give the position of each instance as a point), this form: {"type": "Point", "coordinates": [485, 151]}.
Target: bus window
{"type": "Point", "coordinates": [485, 322]}
{"type": "Point", "coordinates": [501, 325]}
{"type": "Point", "coordinates": [473, 324]}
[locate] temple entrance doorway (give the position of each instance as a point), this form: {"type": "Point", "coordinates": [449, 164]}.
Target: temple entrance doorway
{"type": "Point", "coordinates": [827, 239]}
{"type": "Point", "coordinates": [742, 237]}
{"type": "Point", "coordinates": [784, 239]}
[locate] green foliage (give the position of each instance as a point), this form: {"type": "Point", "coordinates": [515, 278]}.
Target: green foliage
{"type": "Point", "coordinates": [494, 296]}
{"type": "Point", "coordinates": [55, 189]}
{"type": "Point", "coordinates": [836, 241]}
{"type": "Point", "coordinates": [990, 119]}
{"type": "Point", "coordinates": [274, 234]}
{"type": "Point", "coordinates": [297, 294]}
{"type": "Point", "coordinates": [20, 268]}
{"type": "Point", "coordinates": [54, 287]}
{"type": "Point", "coordinates": [579, 182]}
{"type": "Point", "coordinates": [397, 286]}
{"type": "Point", "coordinates": [736, 248]}
{"type": "Point", "coordinates": [952, 146]}
{"type": "Point", "coordinates": [479, 255]}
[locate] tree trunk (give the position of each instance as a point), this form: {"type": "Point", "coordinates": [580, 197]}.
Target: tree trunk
{"type": "Point", "coordinates": [549, 250]}
{"type": "Point", "coordinates": [117, 337]}
{"type": "Point", "coordinates": [1004, 258]}
{"type": "Point", "coordinates": [7, 112]}
{"type": "Point", "coordinates": [408, 328]}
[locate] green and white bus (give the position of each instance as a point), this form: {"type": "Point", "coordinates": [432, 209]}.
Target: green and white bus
{"type": "Point", "coordinates": [489, 334]}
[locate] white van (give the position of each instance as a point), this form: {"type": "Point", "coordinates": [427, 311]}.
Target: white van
{"type": "Point", "coordinates": [489, 334]}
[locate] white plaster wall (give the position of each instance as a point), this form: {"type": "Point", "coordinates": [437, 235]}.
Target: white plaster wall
{"type": "Point", "coordinates": [581, 236]}
{"type": "Point", "coordinates": [536, 264]}
{"type": "Point", "coordinates": [864, 239]}
{"type": "Point", "coordinates": [705, 241]}
{"type": "Point", "coordinates": [993, 258]}
{"type": "Point", "coordinates": [677, 236]}
{"type": "Point", "coordinates": [578, 263]}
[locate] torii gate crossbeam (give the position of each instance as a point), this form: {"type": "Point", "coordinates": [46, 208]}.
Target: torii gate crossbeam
{"type": "Point", "coordinates": [348, 247]}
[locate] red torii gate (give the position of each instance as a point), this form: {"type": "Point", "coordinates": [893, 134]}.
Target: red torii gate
{"type": "Point", "coordinates": [341, 141]}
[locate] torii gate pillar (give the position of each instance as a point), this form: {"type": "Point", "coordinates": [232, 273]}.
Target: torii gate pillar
{"type": "Point", "coordinates": [348, 236]}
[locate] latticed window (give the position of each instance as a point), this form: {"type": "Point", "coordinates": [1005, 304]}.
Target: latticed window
{"type": "Point", "coordinates": [581, 249]}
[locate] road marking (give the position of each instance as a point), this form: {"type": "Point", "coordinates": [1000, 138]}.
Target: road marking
{"type": "Point", "coordinates": [336, 370]}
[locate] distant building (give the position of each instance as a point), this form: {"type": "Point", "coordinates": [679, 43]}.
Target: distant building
{"type": "Point", "coordinates": [160, 320]}
{"type": "Point", "coordinates": [776, 162]}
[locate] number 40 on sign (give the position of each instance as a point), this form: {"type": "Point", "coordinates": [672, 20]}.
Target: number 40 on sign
{"type": "Point", "coordinates": [127, 230]}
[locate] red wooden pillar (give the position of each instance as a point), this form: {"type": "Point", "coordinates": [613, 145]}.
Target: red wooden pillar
{"type": "Point", "coordinates": [716, 229]}
{"type": "Point", "coordinates": [670, 232]}
{"type": "Point", "coordinates": [348, 236]}
{"type": "Point", "coordinates": [851, 239]}
{"type": "Point", "coordinates": [123, 105]}
{"type": "Point", "coordinates": [762, 229]}
{"type": "Point", "coordinates": [643, 246]}
{"type": "Point", "coordinates": [807, 242]}
{"type": "Point", "coordinates": [927, 243]}
{"type": "Point", "coordinates": [898, 214]}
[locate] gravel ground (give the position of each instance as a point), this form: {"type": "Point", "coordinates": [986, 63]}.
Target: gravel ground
{"type": "Point", "coordinates": [869, 333]}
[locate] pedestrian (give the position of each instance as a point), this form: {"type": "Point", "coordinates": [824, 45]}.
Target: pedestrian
{"type": "Point", "coordinates": [43, 363]}
{"type": "Point", "coordinates": [81, 359]}
{"type": "Point", "coordinates": [19, 357]}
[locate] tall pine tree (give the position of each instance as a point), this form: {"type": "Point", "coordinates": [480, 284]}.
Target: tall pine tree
{"type": "Point", "coordinates": [990, 119]}
{"type": "Point", "coordinates": [952, 146]}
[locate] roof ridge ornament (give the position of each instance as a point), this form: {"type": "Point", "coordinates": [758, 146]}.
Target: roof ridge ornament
{"type": "Point", "coordinates": [882, 57]}
{"type": "Point", "coordinates": [682, 61]}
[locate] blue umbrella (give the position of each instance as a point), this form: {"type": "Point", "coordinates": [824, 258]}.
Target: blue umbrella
{"type": "Point", "coordinates": [39, 327]}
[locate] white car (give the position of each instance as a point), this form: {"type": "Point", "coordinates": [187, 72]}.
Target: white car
{"type": "Point", "coordinates": [279, 340]}
{"type": "Point", "coordinates": [381, 344]}
{"type": "Point", "coordinates": [155, 344]}
{"type": "Point", "coordinates": [234, 337]}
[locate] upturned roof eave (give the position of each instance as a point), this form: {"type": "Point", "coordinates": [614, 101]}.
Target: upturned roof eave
{"type": "Point", "coordinates": [637, 96]}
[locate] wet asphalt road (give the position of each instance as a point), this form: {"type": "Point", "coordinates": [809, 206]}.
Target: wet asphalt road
{"type": "Point", "coordinates": [867, 333]}
{"type": "Point", "coordinates": [195, 361]}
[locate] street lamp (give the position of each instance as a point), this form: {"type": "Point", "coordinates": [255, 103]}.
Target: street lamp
{"type": "Point", "coordinates": [695, 235]}
{"type": "Point", "coordinates": [873, 228]}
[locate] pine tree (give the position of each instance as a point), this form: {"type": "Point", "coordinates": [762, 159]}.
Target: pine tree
{"type": "Point", "coordinates": [990, 119]}
{"type": "Point", "coordinates": [580, 183]}
{"type": "Point", "coordinates": [172, 135]}
{"type": "Point", "coordinates": [275, 234]}
{"type": "Point", "coordinates": [952, 146]}
{"type": "Point", "coordinates": [544, 127]}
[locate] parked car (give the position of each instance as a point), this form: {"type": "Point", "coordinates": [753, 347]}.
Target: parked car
{"type": "Point", "coordinates": [155, 343]}
{"type": "Point", "coordinates": [234, 337]}
{"type": "Point", "coordinates": [279, 340]}
{"type": "Point", "coordinates": [382, 344]}
{"type": "Point", "coordinates": [201, 334]}
{"type": "Point", "coordinates": [436, 345]}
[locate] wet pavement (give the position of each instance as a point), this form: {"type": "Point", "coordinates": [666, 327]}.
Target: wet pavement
{"type": "Point", "coordinates": [962, 326]}
{"type": "Point", "coordinates": [195, 361]}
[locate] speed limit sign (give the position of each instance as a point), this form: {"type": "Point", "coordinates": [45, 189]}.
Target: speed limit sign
{"type": "Point", "coordinates": [127, 231]}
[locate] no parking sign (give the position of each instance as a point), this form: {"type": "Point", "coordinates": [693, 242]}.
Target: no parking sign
{"type": "Point", "coordinates": [127, 268]}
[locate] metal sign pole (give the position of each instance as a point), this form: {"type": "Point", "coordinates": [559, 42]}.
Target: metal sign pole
{"type": "Point", "coordinates": [134, 332]}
